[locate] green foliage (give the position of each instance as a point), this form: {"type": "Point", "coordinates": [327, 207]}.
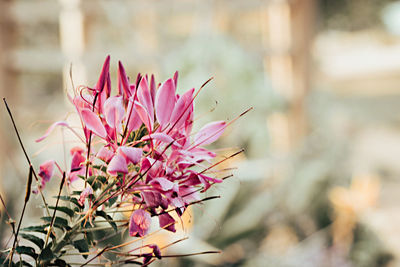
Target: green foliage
{"type": "Point", "coordinates": [82, 246]}
{"type": "Point", "coordinates": [108, 218]}
{"type": "Point", "coordinates": [34, 239]}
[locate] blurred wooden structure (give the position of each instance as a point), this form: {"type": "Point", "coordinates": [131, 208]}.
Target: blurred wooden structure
{"type": "Point", "coordinates": [288, 35]}
{"type": "Point", "coordinates": [49, 35]}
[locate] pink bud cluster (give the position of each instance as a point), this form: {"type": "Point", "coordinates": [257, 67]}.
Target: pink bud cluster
{"type": "Point", "coordinates": [142, 139]}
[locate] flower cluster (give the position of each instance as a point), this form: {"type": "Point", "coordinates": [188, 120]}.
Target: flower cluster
{"type": "Point", "coordinates": [138, 149]}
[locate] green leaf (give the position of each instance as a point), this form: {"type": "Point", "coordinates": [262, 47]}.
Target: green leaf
{"type": "Point", "coordinates": [46, 254]}
{"type": "Point", "coordinates": [36, 228]}
{"type": "Point", "coordinates": [34, 239]}
{"type": "Point", "coordinates": [96, 181]}
{"type": "Point", "coordinates": [109, 219]}
{"type": "Point", "coordinates": [70, 199]}
{"type": "Point", "coordinates": [77, 193]}
{"type": "Point", "coordinates": [82, 246]}
{"type": "Point", "coordinates": [64, 209]}
{"type": "Point", "coordinates": [58, 222]}
{"type": "Point", "coordinates": [112, 201]}
{"type": "Point", "coordinates": [20, 263]}
{"type": "Point", "coordinates": [27, 251]}
{"type": "Point", "coordinates": [61, 263]}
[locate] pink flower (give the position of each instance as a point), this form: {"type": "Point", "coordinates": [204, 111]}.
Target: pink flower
{"type": "Point", "coordinates": [46, 171]}
{"type": "Point", "coordinates": [139, 223]}
{"type": "Point", "coordinates": [85, 193]}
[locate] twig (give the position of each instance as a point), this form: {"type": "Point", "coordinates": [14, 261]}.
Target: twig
{"type": "Point", "coordinates": [55, 209]}
{"type": "Point", "coordinates": [27, 196]}
{"type": "Point", "coordinates": [26, 155]}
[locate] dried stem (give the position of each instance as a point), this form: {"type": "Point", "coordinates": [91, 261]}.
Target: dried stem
{"type": "Point", "coordinates": [27, 196]}
{"type": "Point", "coordinates": [26, 156]}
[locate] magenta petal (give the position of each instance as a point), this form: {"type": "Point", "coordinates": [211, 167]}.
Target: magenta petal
{"type": "Point", "coordinates": [152, 199]}
{"type": "Point", "coordinates": [165, 102]}
{"type": "Point", "coordinates": [209, 133]}
{"type": "Point", "coordinates": [123, 82]}
{"type": "Point", "coordinates": [117, 164]}
{"type": "Point", "coordinates": [93, 123]}
{"type": "Point", "coordinates": [103, 76]}
{"type": "Point", "coordinates": [166, 219]}
{"type": "Point", "coordinates": [77, 159]}
{"type": "Point", "coordinates": [132, 154]}
{"type": "Point", "coordinates": [51, 128]}
{"type": "Point", "coordinates": [139, 223]}
{"type": "Point", "coordinates": [46, 170]}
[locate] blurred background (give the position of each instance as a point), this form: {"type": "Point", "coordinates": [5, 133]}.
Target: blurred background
{"type": "Point", "coordinates": [319, 182]}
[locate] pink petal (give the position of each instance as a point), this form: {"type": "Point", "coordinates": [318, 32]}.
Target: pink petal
{"type": "Point", "coordinates": [123, 83]}
{"type": "Point", "coordinates": [153, 88]}
{"type": "Point", "coordinates": [189, 194]}
{"type": "Point", "coordinates": [176, 74]}
{"type": "Point", "coordinates": [85, 193]}
{"type": "Point", "coordinates": [134, 120]}
{"type": "Point", "coordinates": [209, 133]}
{"type": "Point", "coordinates": [139, 223]}
{"type": "Point", "coordinates": [165, 102]}
{"type": "Point", "coordinates": [105, 154]}
{"type": "Point", "coordinates": [182, 109]}
{"type": "Point", "coordinates": [51, 128]}
{"type": "Point", "coordinates": [144, 97]}
{"type": "Point", "coordinates": [103, 76]}
{"type": "Point", "coordinates": [93, 123]}
{"type": "Point", "coordinates": [166, 219]}
{"type": "Point", "coordinates": [159, 137]}
{"type": "Point", "coordinates": [117, 164]}
{"type": "Point", "coordinates": [46, 170]}
{"type": "Point", "coordinates": [164, 184]}
{"type": "Point", "coordinates": [114, 111]}
{"type": "Point", "coordinates": [132, 154]}
{"type": "Point", "coordinates": [77, 159]}
{"type": "Point", "coordinates": [76, 149]}
{"type": "Point", "coordinates": [144, 116]}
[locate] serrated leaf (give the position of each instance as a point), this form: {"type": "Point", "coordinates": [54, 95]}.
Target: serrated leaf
{"type": "Point", "coordinates": [34, 239]}
{"type": "Point", "coordinates": [82, 246]}
{"type": "Point", "coordinates": [46, 254]}
{"type": "Point", "coordinates": [108, 218]}
{"type": "Point", "coordinates": [36, 228]}
{"type": "Point", "coordinates": [58, 222]}
{"type": "Point", "coordinates": [64, 209]}
{"type": "Point", "coordinates": [27, 251]}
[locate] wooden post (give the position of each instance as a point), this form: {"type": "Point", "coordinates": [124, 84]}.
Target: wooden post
{"type": "Point", "coordinates": [72, 42]}
{"type": "Point", "coordinates": [288, 35]}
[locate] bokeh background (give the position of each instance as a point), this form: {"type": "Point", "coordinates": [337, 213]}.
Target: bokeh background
{"type": "Point", "coordinates": [319, 182]}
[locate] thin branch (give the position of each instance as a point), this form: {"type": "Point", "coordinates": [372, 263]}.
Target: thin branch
{"type": "Point", "coordinates": [27, 196]}
{"type": "Point", "coordinates": [54, 212]}
{"type": "Point", "coordinates": [26, 155]}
